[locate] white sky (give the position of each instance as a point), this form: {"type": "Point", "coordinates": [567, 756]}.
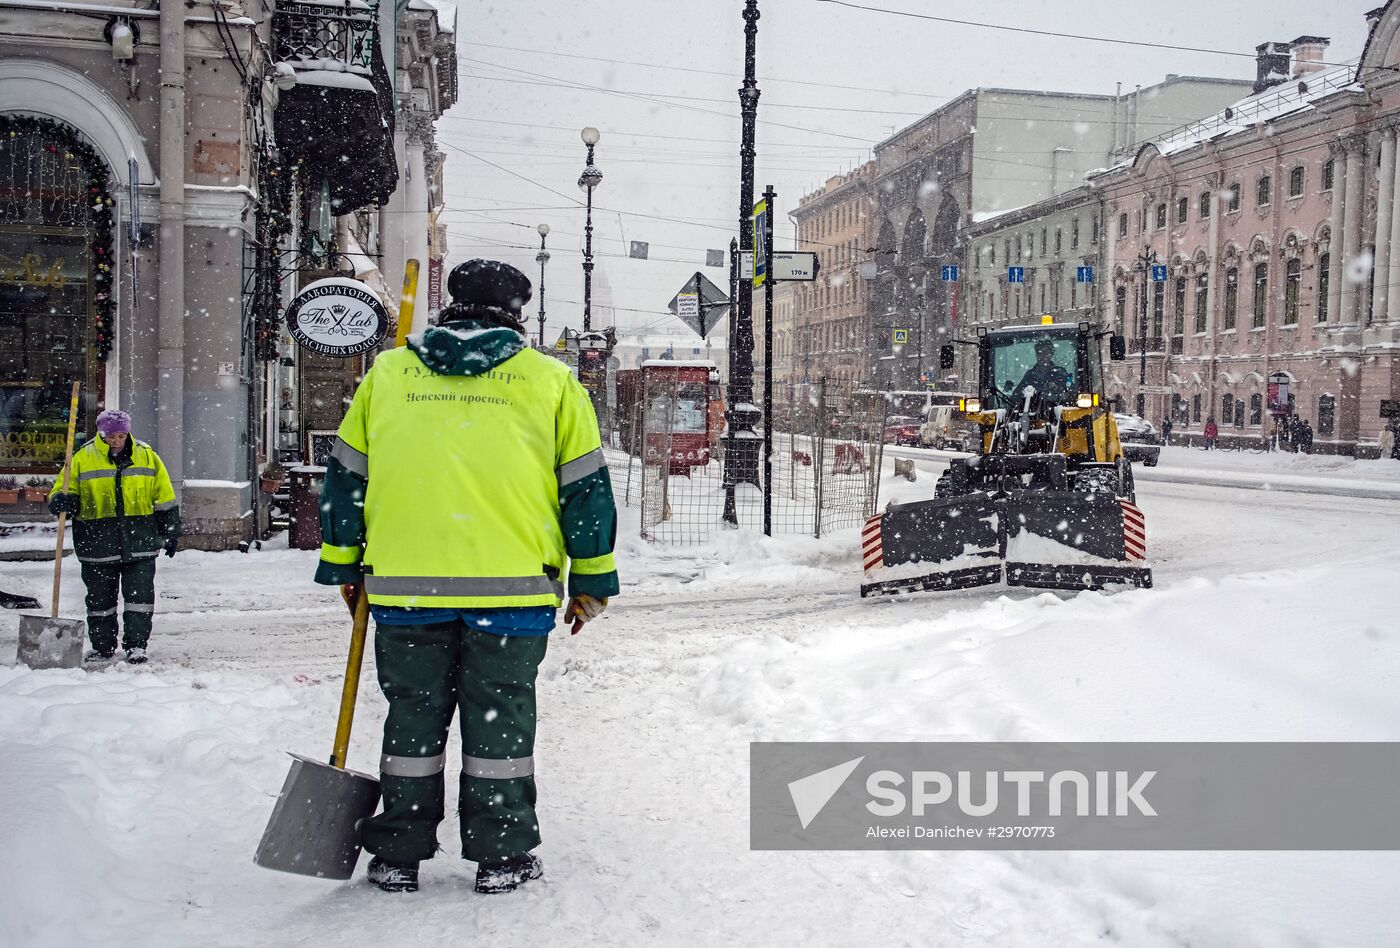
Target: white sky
{"type": "Point", "coordinates": [665, 152]}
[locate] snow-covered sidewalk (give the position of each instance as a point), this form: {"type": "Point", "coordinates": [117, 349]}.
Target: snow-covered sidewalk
{"type": "Point", "coordinates": [131, 800]}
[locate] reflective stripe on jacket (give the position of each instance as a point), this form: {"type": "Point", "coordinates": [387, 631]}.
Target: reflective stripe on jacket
{"type": "Point", "coordinates": [116, 525]}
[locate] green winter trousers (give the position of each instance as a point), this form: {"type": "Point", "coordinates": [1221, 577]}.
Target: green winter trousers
{"type": "Point", "coordinates": [427, 672]}
{"type": "Point", "coordinates": [136, 580]}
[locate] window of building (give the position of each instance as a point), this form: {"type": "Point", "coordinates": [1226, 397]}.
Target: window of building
{"type": "Point", "coordinates": [1122, 225]}
{"type": "Point", "coordinates": [1057, 296]}
{"type": "Point", "coordinates": [992, 253]}
{"type": "Point", "coordinates": [1256, 410]}
{"type": "Point", "coordinates": [1120, 303]}
{"type": "Point", "coordinates": [1264, 191]}
{"type": "Point", "coordinates": [1183, 208]}
{"type": "Point", "coordinates": [1196, 408]}
{"type": "Point", "coordinates": [1329, 172]}
{"type": "Point", "coordinates": [1205, 205]}
{"type": "Point", "coordinates": [1239, 413]}
{"type": "Point", "coordinates": [1161, 215]}
{"type": "Point", "coordinates": [1059, 241]}
{"type": "Point", "coordinates": [1020, 249]}
{"type": "Point", "coordinates": [1159, 301]}
{"type": "Point", "coordinates": [55, 242]}
{"type": "Point", "coordinates": [1232, 198]}
{"type": "Point", "coordinates": [1261, 294]}
{"type": "Point", "coordinates": [1179, 316]}
{"type": "Point", "coordinates": [1044, 242]}
{"type": "Point", "coordinates": [1074, 234]}
{"type": "Point", "coordinates": [1232, 297]}
{"type": "Point", "coordinates": [1292, 289]}
{"type": "Point", "coordinates": [1295, 182]}
{"type": "Point", "coordinates": [1324, 283]}
{"type": "Point", "coordinates": [1094, 229]}
{"type": "Point", "coordinates": [1326, 414]}
{"type": "Point", "coordinates": [1042, 297]}
{"type": "Point", "coordinates": [1073, 293]}
{"type": "Point", "coordinates": [1006, 248]}
{"type": "Point", "coordinates": [1227, 409]}
{"type": "Point", "coordinates": [1202, 294]}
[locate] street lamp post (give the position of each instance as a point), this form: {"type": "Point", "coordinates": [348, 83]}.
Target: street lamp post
{"type": "Point", "coordinates": [589, 180]}
{"type": "Point", "coordinates": [542, 258]}
{"type": "Point", "coordinates": [1143, 267]}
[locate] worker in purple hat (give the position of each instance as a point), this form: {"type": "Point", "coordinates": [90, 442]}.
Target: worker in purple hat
{"type": "Point", "coordinates": [124, 513]}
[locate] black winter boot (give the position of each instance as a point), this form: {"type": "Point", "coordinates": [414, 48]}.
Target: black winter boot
{"type": "Point", "coordinates": [394, 876]}
{"type": "Point", "coordinates": [493, 878]}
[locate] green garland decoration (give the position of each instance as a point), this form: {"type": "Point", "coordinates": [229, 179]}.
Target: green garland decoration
{"type": "Point", "coordinates": [61, 136]}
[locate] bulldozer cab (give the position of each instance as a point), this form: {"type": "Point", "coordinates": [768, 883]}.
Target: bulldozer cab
{"type": "Point", "coordinates": [1058, 361]}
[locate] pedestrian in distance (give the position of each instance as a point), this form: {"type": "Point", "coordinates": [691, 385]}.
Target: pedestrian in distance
{"type": "Point", "coordinates": [1305, 436]}
{"type": "Point", "coordinates": [1211, 432]}
{"type": "Point", "coordinates": [124, 514]}
{"type": "Point", "coordinates": [1167, 430]}
{"type": "Point", "coordinates": [467, 474]}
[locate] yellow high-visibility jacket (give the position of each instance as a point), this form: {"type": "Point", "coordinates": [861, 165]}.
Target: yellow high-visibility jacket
{"type": "Point", "coordinates": [468, 473]}
{"type": "Point", "coordinates": [128, 507]}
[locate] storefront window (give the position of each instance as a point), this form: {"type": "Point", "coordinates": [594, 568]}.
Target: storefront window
{"type": "Point", "coordinates": [55, 282]}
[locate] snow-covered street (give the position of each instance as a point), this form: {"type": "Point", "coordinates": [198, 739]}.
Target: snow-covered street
{"type": "Point", "coordinates": [132, 800]}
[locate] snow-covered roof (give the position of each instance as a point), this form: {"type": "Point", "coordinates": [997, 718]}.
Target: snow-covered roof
{"type": "Point", "coordinates": [446, 11]}
{"type": "Point", "coordinates": [1273, 103]}
{"type": "Point", "coordinates": [979, 217]}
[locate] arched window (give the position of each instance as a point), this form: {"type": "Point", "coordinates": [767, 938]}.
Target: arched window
{"type": "Point", "coordinates": [1261, 294]}
{"type": "Point", "coordinates": [1232, 297]}
{"type": "Point", "coordinates": [1232, 198]}
{"type": "Point", "coordinates": [1182, 209]}
{"type": "Point", "coordinates": [1227, 408]}
{"type": "Point", "coordinates": [1122, 225]}
{"type": "Point", "coordinates": [1326, 414]}
{"type": "Point", "coordinates": [1202, 294]}
{"type": "Point", "coordinates": [1161, 215]}
{"type": "Point", "coordinates": [1179, 298]}
{"type": "Point", "coordinates": [56, 293]}
{"type": "Point", "coordinates": [1295, 182]}
{"type": "Point", "coordinates": [1205, 205]}
{"type": "Point", "coordinates": [1292, 291]}
{"type": "Point", "coordinates": [1256, 410]}
{"type": "Point", "coordinates": [1324, 283]}
{"type": "Point", "coordinates": [1264, 191]}
{"type": "Point", "coordinates": [1120, 304]}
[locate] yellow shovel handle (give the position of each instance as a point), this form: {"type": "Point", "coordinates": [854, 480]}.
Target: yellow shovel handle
{"type": "Point", "coordinates": [352, 681]}
{"type": "Point", "coordinates": [63, 517]}
{"type": "Point", "coordinates": [407, 301]}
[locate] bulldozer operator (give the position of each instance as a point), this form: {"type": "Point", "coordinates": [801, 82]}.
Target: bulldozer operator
{"type": "Point", "coordinates": [1049, 380]}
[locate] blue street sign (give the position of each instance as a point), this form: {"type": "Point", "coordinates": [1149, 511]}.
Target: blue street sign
{"type": "Point", "coordinates": [950, 274]}
{"type": "Point", "coordinates": [1159, 273]}
{"type": "Point", "coordinates": [1015, 274]}
{"type": "Point", "coordinates": [1085, 275]}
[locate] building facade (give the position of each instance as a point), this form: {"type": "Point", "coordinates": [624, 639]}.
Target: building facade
{"type": "Point", "coordinates": [830, 315]}
{"type": "Point", "coordinates": [168, 179]}
{"type": "Point", "coordinates": [1276, 219]}
{"type": "Point", "coordinates": [987, 152]}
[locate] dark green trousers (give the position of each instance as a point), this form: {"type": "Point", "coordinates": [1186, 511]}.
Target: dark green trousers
{"type": "Point", "coordinates": [136, 581]}
{"type": "Point", "coordinates": [427, 672]}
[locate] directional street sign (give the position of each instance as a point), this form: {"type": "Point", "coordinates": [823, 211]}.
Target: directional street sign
{"type": "Point", "coordinates": [796, 266]}
{"type": "Point", "coordinates": [1159, 273]}
{"type": "Point", "coordinates": [1015, 274]}
{"type": "Point", "coordinates": [760, 237]}
{"type": "Point", "coordinates": [949, 274]}
{"type": "Point", "coordinates": [1155, 389]}
{"type": "Point", "coordinates": [700, 304]}
{"type": "Point", "coordinates": [1084, 275]}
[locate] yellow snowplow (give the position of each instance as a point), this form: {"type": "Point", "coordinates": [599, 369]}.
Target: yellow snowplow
{"type": "Point", "coordinates": [1047, 500]}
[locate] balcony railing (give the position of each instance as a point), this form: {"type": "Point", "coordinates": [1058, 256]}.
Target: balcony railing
{"type": "Point", "coordinates": [315, 35]}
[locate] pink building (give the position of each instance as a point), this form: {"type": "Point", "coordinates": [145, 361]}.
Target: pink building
{"type": "Point", "coordinates": [1268, 217]}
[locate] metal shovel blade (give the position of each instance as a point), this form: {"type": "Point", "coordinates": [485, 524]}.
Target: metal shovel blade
{"type": "Point", "coordinates": [315, 826]}
{"type": "Point", "coordinates": [46, 642]}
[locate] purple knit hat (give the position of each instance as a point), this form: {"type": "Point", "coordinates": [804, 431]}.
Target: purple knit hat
{"type": "Point", "coordinates": [112, 421]}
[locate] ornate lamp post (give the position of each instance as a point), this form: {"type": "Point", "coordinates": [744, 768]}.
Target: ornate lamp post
{"type": "Point", "coordinates": [542, 258]}
{"type": "Point", "coordinates": [589, 180]}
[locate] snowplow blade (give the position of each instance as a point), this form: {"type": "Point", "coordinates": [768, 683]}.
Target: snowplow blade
{"type": "Point", "coordinates": [1050, 539]}
{"type": "Point", "coordinates": [934, 545]}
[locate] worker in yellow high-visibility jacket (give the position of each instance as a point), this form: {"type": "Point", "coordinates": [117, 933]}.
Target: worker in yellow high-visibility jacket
{"type": "Point", "coordinates": [467, 476]}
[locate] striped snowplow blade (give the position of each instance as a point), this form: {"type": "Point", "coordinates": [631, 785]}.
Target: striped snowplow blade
{"type": "Point", "coordinates": [872, 550]}
{"type": "Point", "coordinates": [1134, 531]}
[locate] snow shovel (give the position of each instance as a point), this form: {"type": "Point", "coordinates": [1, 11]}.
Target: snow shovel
{"type": "Point", "coordinates": [48, 641]}
{"type": "Point", "coordinates": [315, 826]}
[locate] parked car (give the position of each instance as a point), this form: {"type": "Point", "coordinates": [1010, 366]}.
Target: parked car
{"type": "Point", "coordinates": [1140, 439]}
{"type": "Point", "coordinates": [901, 429]}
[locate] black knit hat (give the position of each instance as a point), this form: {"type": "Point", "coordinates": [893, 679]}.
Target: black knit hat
{"type": "Point", "coordinates": [487, 289]}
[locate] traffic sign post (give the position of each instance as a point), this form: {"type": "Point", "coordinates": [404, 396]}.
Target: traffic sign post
{"type": "Point", "coordinates": [699, 304]}
{"type": "Point", "coordinates": [794, 266]}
